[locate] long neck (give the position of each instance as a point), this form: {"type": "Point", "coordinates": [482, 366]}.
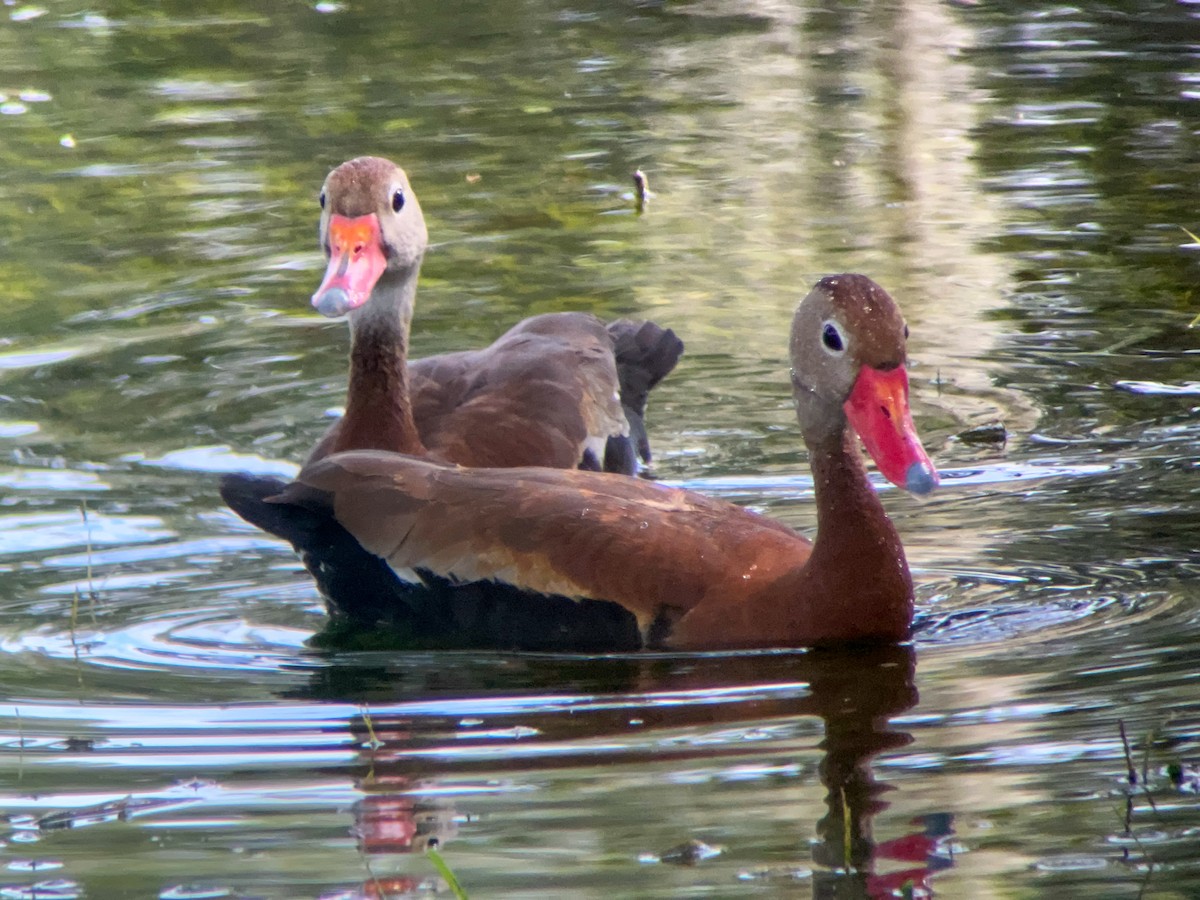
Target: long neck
{"type": "Point", "coordinates": [379, 413]}
{"type": "Point", "coordinates": [856, 584]}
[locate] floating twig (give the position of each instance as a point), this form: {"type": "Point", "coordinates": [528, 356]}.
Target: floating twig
{"type": "Point", "coordinates": [641, 190]}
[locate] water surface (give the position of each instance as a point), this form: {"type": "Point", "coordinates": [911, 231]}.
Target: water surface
{"type": "Point", "coordinates": [1019, 178]}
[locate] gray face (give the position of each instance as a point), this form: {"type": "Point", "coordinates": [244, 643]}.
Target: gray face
{"type": "Point", "coordinates": [371, 185]}
{"type": "Point", "coordinates": [845, 322]}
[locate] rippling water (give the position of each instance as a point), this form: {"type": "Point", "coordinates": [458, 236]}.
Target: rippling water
{"type": "Point", "coordinates": [1023, 180]}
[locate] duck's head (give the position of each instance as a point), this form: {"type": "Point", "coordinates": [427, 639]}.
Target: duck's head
{"type": "Point", "coordinates": [371, 224]}
{"type": "Point", "coordinates": [848, 363]}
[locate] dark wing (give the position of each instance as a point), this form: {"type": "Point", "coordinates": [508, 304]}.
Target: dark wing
{"type": "Point", "coordinates": [645, 354]}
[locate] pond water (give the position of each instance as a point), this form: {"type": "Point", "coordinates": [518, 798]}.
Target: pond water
{"type": "Point", "coordinates": [1018, 176]}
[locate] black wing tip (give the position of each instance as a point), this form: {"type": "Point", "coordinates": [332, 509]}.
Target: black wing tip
{"type": "Point", "coordinates": [287, 509]}
{"type": "Point", "coordinates": [645, 352]}
{"type": "Point", "coordinates": [248, 495]}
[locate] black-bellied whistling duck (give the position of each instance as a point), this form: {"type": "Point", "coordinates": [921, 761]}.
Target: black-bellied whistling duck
{"type": "Point", "coordinates": [692, 572]}
{"type": "Point", "coordinates": [549, 392]}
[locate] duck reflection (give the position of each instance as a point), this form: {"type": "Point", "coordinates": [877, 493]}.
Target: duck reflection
{"type": "Point", "coordinates": [571, 703]}
{"type": "Point", "coordinates": [856, 697]}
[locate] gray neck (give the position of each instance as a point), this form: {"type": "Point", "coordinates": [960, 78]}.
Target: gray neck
{"type": "Point", "coordinates": [387, 315]}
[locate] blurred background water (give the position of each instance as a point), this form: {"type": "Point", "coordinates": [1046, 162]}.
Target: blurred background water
{"type": "Point", "coordinates": [1019, 177]}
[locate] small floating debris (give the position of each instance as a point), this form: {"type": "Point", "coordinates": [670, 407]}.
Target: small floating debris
{"type": "Point", "coordinates": [991, 433]}
{"type": "Point", "coordinates": [76, 745]}
{"type": "Point", "coordinates": [1185, 777]}
{"type": "Point", "coordinates": [68, 141]}
{"type": "Point", "coordinates": [641, 189]}
{"type": "Point", "coordinates": [686, 854]}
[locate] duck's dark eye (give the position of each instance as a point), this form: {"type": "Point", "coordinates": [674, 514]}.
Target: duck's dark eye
{"type": "Point", "coordinates": [906, 331]}
{"type": "Point", "coordinates": [321, 199]}
{"type": "Point", "coordinates": [397, 200]}
{"type": "Point", "coordinates": [832, 338]}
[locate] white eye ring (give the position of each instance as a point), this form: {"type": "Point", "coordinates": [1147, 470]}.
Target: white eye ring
{"type": "Point", "coordinates": [833, 339]}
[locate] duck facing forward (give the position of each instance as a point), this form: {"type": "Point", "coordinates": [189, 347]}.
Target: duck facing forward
{"type": "Point", "coordinates": [690, 571]}
{"type": "Point", "coordinates": [560, 389]}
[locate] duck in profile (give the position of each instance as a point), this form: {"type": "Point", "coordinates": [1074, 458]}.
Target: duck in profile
{"type": "Point", "coordinates": [637, 563]}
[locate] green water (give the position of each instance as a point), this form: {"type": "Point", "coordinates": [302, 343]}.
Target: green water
{"type": "Point", "coordinates": [1018, 177]}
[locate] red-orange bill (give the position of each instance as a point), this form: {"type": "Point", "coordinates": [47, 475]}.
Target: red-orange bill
{"type": "Point", "coordinates": [878, 410]}
{"type": "Point", "coordinates": [356, 261]}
